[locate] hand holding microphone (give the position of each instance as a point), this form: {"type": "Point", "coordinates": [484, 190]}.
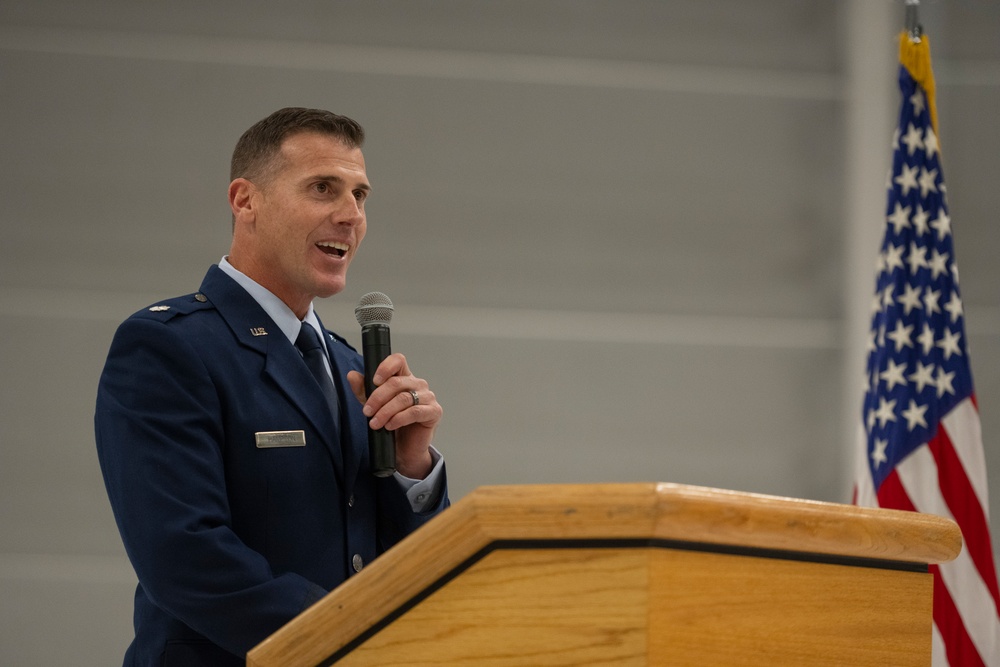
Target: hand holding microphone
{"type": "Point", "coordinates": [403, 412]}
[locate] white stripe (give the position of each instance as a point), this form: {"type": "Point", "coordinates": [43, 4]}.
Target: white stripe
{"type": "Point", "coordinates": [965, 432]}
{"type": "Point", "coordinates": [79, 568]}
{"type": "Point", "coordinates": [426, 63]}
{"type": "Point", "coordinates": [938, 657]}
{"type": "Point", "coordinates": [918, 474]}
{"type": "Point", "coordinates": [863, 484]}
{"type": "Point", "coordinates": [496, 323]}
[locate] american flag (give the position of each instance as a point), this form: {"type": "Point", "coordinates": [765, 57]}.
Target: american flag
{"type": "Point", "coordinates": [922, 443]}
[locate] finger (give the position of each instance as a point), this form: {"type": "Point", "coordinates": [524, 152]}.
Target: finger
{"type": "Point", "coordinates": [393, 365]}
{"type": "Point", "coordinates": [385, 392]}
{"type": "Point", "coordinates": [401, 411]}
{"type": "Point", "coordinates": [357, 382]}
{"type": "Point", "coordinates": [391, 398]}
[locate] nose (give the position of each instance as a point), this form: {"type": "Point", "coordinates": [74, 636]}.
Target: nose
{"type": "Point", "coordinates": [351, 212]}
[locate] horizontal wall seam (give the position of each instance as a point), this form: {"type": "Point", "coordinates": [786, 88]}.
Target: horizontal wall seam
{"type": "Point", "coordinates": [426, 63]}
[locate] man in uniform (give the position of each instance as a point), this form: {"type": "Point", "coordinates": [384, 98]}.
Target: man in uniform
{"type": "Point", "coordinates": [240, 484]}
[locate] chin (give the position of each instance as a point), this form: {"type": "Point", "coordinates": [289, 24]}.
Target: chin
{"type": "Point", "coordinates": [329, 288]}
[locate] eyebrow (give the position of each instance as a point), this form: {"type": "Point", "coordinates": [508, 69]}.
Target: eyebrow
{"type": "Point", "coordinates": [340, 181]}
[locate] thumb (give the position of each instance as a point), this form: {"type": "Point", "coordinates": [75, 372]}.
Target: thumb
{"type": "Point", "coordinates": [357, 382]}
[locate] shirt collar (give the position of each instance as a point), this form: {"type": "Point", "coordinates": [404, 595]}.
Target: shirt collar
{"type": "Point", "coordinates": [272, 305]}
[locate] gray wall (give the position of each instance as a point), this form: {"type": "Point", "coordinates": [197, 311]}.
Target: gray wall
{"type": "Point", "coordinates": [624, 238]}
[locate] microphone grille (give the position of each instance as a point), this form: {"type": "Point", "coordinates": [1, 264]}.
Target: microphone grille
{"type": "Point", "coordinates": [374, 308]}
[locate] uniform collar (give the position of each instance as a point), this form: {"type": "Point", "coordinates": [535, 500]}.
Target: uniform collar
{"type": "Point", "coordinates": [276, 309]}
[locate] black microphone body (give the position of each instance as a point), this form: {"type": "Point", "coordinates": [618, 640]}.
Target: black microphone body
{"type": "Point", "coordinates": [374, 312]}
{"type": "Point", "coordinates": [376, 346]}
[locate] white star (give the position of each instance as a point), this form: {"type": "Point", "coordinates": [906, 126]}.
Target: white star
{"type": "Point", "coordinates": [886, 411]}
{"type": "Point", "coordinates": [900, 218]}
{"type": "Point", "coordinates": [907, 179]}
{"type": "Point", "coordinates": [887, 299]}
{"type": "Point", "coordinates": [927, 181]}
{"type": "Point", "coordinates": [878, 453]}
{"type": "Point", "coordinates": [942, 224]}
{"type": "Point", "coordinates": [954, 306]}
{"type": "Point", "coordinates": [944, 383]}
{"type": "Point", "coordinates": [893, 375]}
{"type": "Point", "coordinates": [920, 220]}
{"type": "Point", "coordinates": [917, 100]}
{"type": "Point", "coordinates": [915, 415]}
{"type": "Point", "coordinates": [926, 338]}
{"type": "Point", "coordinates": [876, 303]}
{"type": "Point", "coordinates": [938, 263]}
{"type": "Point", "coordinates": [917, 258]}
{"type": "Point", "coordinates": [931, 300]}
{"type": "Point", "coordinates": [949, 343]}
{"type": "Point", "coordinates": [912, 140]}
{"type": "Point", "coordinates": [910, 298]}
{"type": "Point", "coordinates": [901, 335]}
{"type": "Point", "coordinates": [894, 257]}
{"type": "Point", "coordinates": [923, 376]}
{"type": "Point", "coordinates": [930, 143]}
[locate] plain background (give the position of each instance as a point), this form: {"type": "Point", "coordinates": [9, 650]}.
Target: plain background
{"type": "Point", "coordinates": [627, 240]}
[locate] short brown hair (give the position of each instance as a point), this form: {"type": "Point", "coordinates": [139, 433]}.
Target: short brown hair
{"type": "Point", "coordinates": [253, 157]}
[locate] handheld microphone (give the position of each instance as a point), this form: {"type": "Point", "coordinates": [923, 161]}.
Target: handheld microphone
{"type": "Point", "coordinates": [374, 312]}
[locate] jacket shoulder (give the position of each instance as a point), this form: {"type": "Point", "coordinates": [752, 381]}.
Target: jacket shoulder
{"type": "Point", "coordinates": [168, 309]}
{"type": "Point", "coordinates": [337, 340]}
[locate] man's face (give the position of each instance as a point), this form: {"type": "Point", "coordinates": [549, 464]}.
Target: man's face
{"type": "Point", "coordinates": [304, 223]}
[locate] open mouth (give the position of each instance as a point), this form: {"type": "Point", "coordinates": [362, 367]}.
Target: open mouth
{"type": "Point", "coordinates": [333, 248]}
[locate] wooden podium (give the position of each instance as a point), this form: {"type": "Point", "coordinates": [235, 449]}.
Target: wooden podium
{"type": "Point", "coordinates": [634, 574]}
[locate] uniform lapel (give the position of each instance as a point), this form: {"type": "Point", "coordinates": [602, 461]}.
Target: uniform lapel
{"type": "Point", "coordinates": [352, 447]}
{"type": "Point", "coordinates": [283, 364]}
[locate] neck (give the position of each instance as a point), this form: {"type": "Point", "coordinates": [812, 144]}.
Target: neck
{"type": "Point", "coordinates": [256, 272]}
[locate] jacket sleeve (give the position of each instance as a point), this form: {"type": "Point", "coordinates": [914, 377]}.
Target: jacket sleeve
{"type": "Point", "coordinates": [160, 442]}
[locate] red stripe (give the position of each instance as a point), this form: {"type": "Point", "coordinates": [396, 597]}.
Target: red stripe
{"type": "Point", "coordinates": [965, 508]}
{"type": "Point", "coordinates": [958, 645]}
{"type": "Point", "coordinates": [892, 495]}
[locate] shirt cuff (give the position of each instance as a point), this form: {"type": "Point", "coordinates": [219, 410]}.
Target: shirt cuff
{"type": "Point", "coordinates": [423, 493]}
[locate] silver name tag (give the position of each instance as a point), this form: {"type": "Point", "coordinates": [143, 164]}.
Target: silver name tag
{"type": "Point", "coordinates": [280, 439]}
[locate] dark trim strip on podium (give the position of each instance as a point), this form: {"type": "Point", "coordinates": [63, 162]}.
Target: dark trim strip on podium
{"type": "Point", "coordinates": [624, 543]}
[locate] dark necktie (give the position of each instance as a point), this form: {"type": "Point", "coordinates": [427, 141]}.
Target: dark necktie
{"type": "Point", "coordinates": [313, 352]}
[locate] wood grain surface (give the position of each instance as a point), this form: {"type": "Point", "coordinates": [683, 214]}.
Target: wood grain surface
{"type": "Point", "coordinates": [646, 585]}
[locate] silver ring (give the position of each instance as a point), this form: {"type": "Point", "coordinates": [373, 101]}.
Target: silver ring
{"type": "Point", "coordinates": [416, 399]}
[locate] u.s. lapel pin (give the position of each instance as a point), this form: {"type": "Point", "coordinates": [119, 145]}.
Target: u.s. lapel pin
{"type": "Point", "coordinates": [258, 331]}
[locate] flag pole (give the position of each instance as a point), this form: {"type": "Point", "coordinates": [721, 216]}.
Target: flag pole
{"type": "Point", "coordinates": [913, 27]}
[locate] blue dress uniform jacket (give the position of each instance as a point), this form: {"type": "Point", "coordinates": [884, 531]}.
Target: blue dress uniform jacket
{"type": "Point", "coordinates": [230, 540]}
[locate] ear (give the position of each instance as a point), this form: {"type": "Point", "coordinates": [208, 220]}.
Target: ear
{"type": "Point", "coordinates": [241, 201]}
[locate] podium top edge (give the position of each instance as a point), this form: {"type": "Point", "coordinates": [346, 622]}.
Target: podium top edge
{"type": "Point", "coordinates": [670, 511]}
